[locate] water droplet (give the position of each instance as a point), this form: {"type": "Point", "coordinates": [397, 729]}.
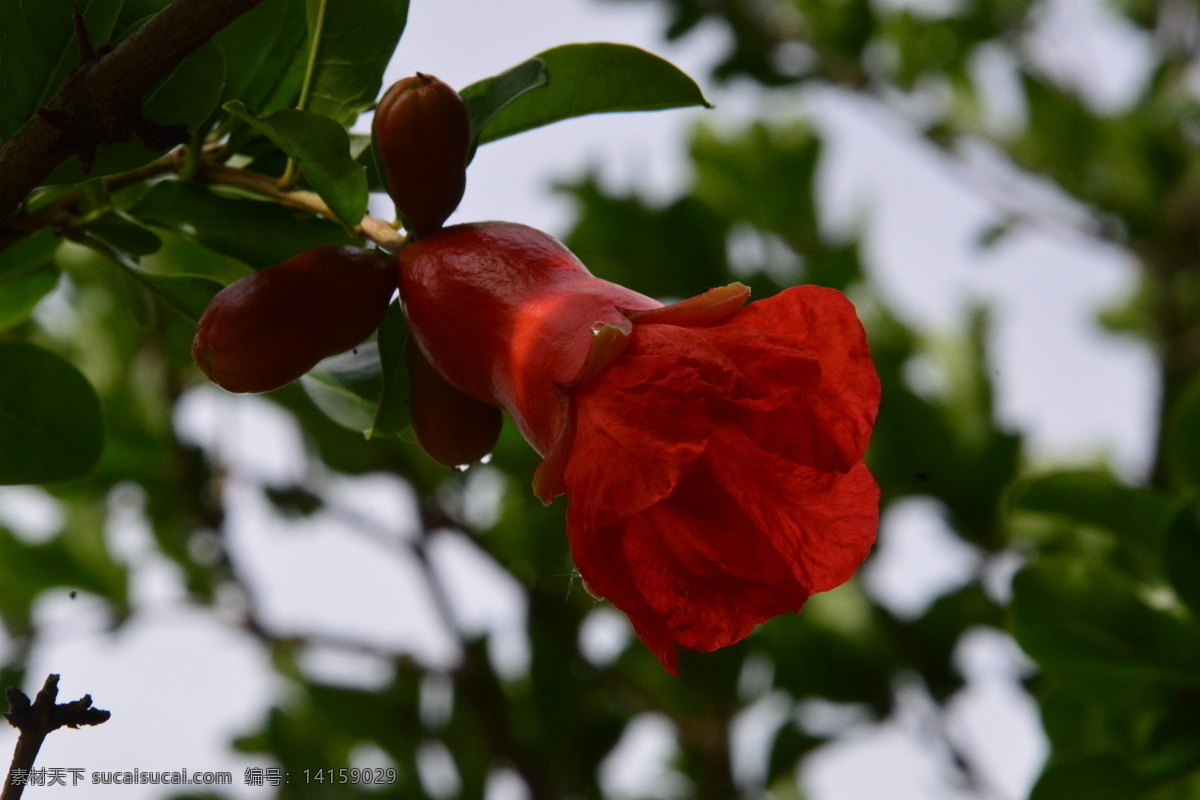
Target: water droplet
{"type": "Point", "coordinates": [597, 327]}
{"type": "Point", "coordinates": [461, 467]}
{"type": "Point", "coordinates": [486, 459]}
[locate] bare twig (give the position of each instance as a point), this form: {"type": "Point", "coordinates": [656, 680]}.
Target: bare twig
{"type": "Point", "coordinates": [36, 721]}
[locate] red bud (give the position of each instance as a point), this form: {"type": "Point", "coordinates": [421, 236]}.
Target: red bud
{"type": "Point", "coordinates": [452, 427]}
{"type": "Point", "coordinates": [269, 328]}
{"type": "Point", "coordinates": [423, 135]}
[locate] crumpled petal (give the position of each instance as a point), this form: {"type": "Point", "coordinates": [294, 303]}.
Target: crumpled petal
{"type": "Point", "coordinates": [692, 570]}
{"type": "Point", "coordinates": [622, 462]}
{"type": "Point", "coordinates": [821, 523]}
{"type": "Point", "coordinates": [826, 426]}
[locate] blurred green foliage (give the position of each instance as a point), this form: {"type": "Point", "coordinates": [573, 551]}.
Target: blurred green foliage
{"type": "Point", "coordinates": [1106, 604]}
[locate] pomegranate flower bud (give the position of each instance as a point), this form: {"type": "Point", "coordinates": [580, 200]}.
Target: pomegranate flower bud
{"type": "Point", "coordinates": [711, 452]}
{"type": "Point", "coordinates": [423, 135]}
{"type": "Point", "coordinates": [269, 328]}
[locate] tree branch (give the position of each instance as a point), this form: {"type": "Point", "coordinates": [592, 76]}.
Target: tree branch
{"type": "Point", "coordinates": [101, 101]}
{"type": "Point", "coordinates": [36, 721]}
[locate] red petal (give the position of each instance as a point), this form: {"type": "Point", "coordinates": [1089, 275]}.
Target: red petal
{"type": "Point", "coordinates": [692, 570]}
{"type": "Point", "coordinates": [828, 424]}
{"type": "Point", "coordinates": [630, 448]}
{"type": "Point", "coordinates": [822, 523]}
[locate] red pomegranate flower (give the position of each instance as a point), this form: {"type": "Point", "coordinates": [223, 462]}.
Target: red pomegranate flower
{"type": "Point", "coordinates": [711, 453]}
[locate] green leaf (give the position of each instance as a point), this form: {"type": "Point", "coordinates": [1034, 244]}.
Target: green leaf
{"type": "Point", "coordinates": [321, 148]}
{"type": "Point", "coordinates": [265, 55]}
{"type": "Point", "coordinates": [26, 276]}
{"type": "Point", "coordinates": [350, 44]}
{"type": "Point", "coordinates": [347, 387]}
{"type": "Point", "coordinates": [1094, 498]}
{"type": "Point", "coordinates": [1090, 622]}
{"type": "Point", "coordinates": [260, 234]}
{"type": "Point", "coordinates": [38, 49]}
{"type": "Point", "coordinates": [186, 97]}
{"type": "Point", "coordinates": [125, 233]}
{"type": "Point", "coordinates": [50, 423]}
{"type": "Point", "coordinates": [1182, 559]}
{"type": "Point", "coordinates": [186, 295]}
{"type": "Point", "coordinates": [21, 291]}
{"type": "Point", "coordinates": [1095, 778]}
{"type": "Point", "coordinates": [595, 79]}
{"type": "Point", "coordinates": [1183, 443]}
{"type": "Point", "coordinates": [391, 418]}
{"type": "Point", "coordinates": [28, 253]}
{"type": "Point", "coordinates": [488, 97]}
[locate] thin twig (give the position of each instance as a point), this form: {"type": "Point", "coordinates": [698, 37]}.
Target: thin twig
{"type": "Point", "coordinates": [36, 721]}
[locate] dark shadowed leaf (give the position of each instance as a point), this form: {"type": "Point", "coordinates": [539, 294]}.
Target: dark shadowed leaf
{"type": "Point", "coordinates": [1091, 622]}
{"type": "Point", "coordinates": [391, 418]}
{"type": "Point", "coordinates": [1137, 516]}
{"type": "Point", "coordinates": [321, 148]}
{"type": "Point", "coordinates": [1183, 444]}
{"type": "Point", "coordinates": [38, 49]}
{"type": "Point", "coordinates": [26, 275]}
{"type": "Point", "coordinates": [260, 234]}
{"type": "Point", "coordinates": [1095, 778]}
{"type": "Point", "coordinates": [50, 422]}
{"type": "Point", "coordinates": [1181, 558]}
{"type": "Point", "coordinates": [594, 79]}
{"type": "Point", "coordinates": [265, 55]}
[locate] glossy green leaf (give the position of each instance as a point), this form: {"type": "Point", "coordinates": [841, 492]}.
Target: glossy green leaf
{"type": "Point", "coordinates": [51, 427]}
{"type": "Point", "coordinates": [1181, 558]}
{"type": "Point", "coordinates": [347, 387]}
{"type": "Point", "coordinates": [260, 234]}
{"type": "Point", "coordinates": [488, 97]}
{"type": "Point", "coordinates": [391, 417]}
{"type": "Point", "coordinates": [38, 49]}
{"type": "Point", "coordinates": [1091, 622]}
{"type": "Point", "coordinates": [186, 97]}
{"type": "Point", "coordinates": [321, 148]}
{"type": "Point", "coordinates": [595, 79]}
{"type": "Point", "coordinates": [350, 43]}
{"type": "Point", "coordinates": [264, 55]}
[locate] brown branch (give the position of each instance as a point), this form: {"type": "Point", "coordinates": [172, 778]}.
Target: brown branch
{"type": "Point", "coordinates": [101, 101]}
{"type": "Point", "coordinates": [36, 721]}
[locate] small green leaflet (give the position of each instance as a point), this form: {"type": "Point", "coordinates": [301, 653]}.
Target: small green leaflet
{"type": "Point", "coordinates": [321, 148]}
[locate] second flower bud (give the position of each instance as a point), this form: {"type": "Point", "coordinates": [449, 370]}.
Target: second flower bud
{"type": "Point", "coordinates": [423, 135]}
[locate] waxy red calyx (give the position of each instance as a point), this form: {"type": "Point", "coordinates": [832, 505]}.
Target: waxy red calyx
{"type": "Point", "coordinates": [423, 136]}
{"type": "Point", "coordinates": [267, 329]}
{"type": "Point", "coordinates": [711, 451]}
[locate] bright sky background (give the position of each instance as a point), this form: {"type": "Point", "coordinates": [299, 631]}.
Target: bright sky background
{"type": "Point", "coordinates": [1076, 393]}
